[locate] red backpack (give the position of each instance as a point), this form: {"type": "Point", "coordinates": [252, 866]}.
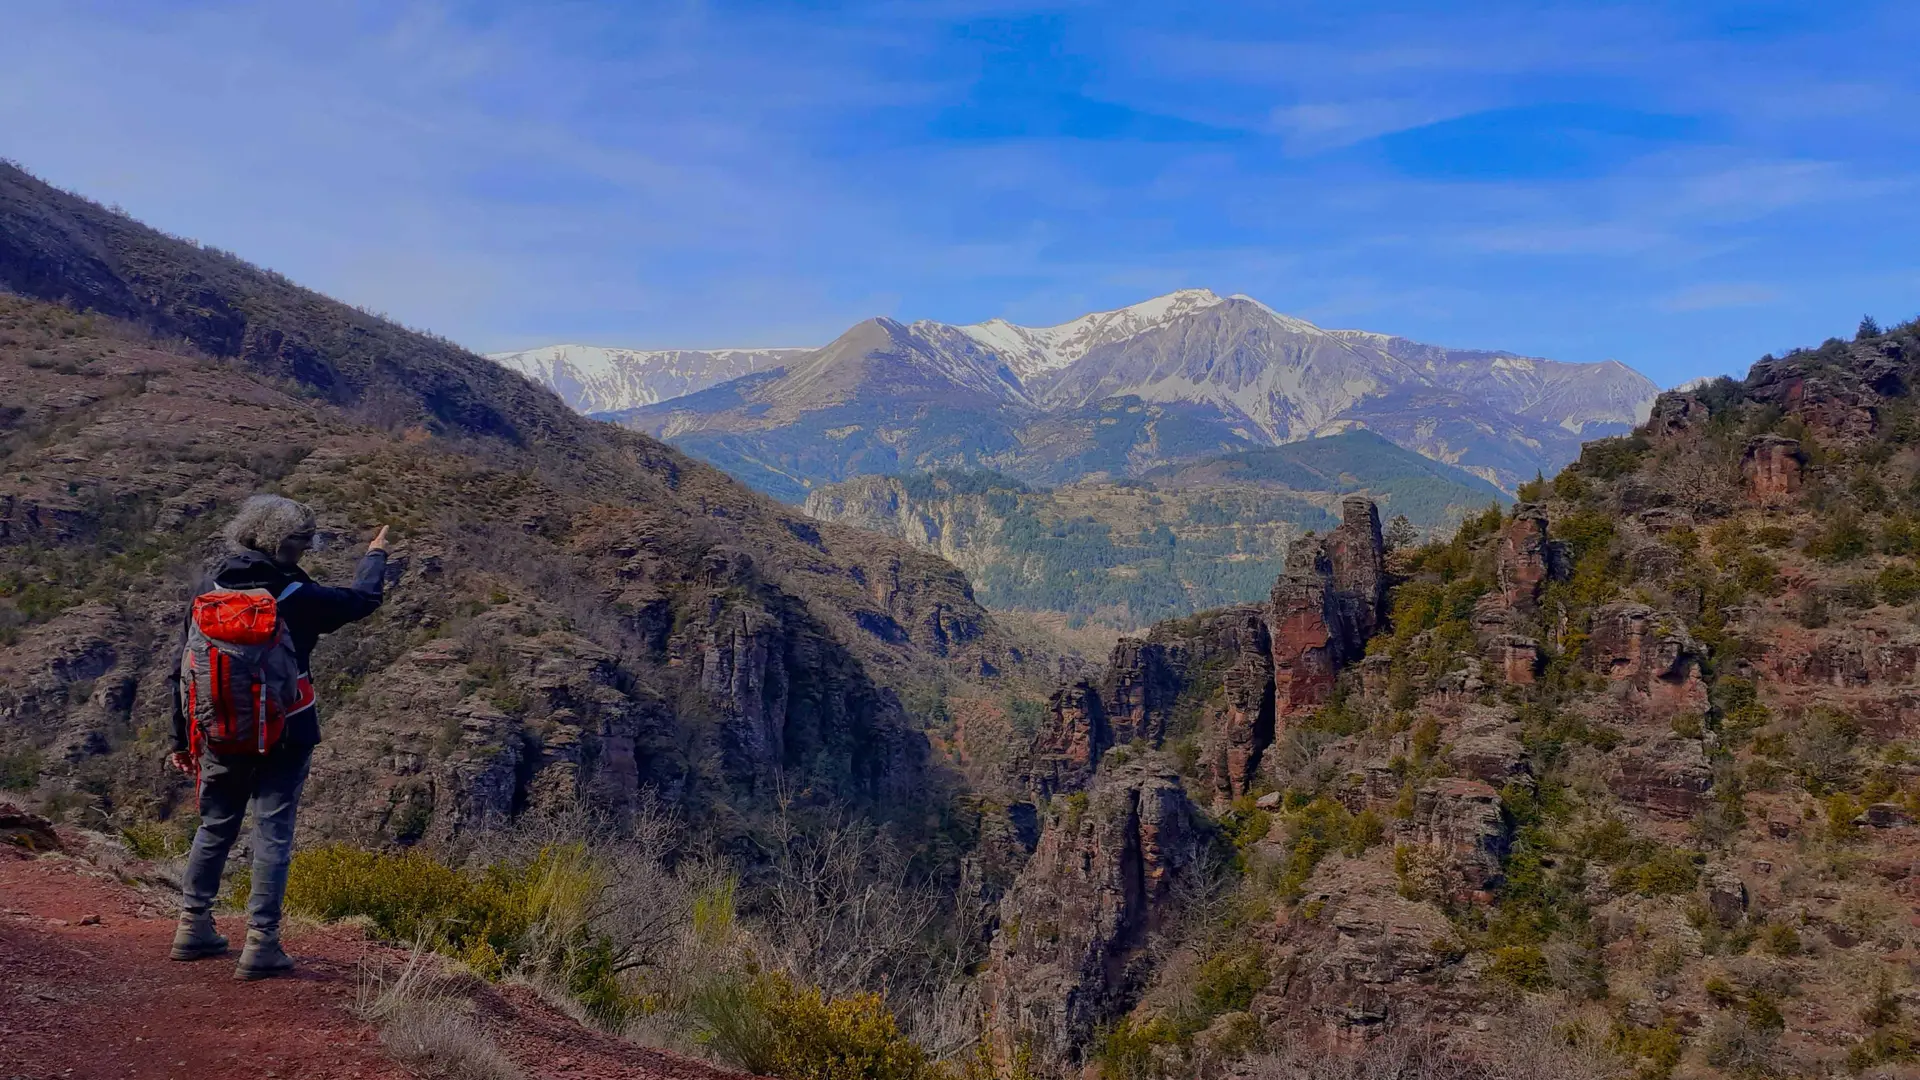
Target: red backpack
{"type": "Point", "coordinates": [240, 674]}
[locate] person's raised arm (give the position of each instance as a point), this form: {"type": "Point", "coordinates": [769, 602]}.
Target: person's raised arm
{"type": "Point", "coordinates": [328, 608]}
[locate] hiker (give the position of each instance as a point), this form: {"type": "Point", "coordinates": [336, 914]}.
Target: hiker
{"type": "Point", "coordinates": [244, 719]}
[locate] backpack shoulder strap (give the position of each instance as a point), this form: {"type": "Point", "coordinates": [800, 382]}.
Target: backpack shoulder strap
{"type": "Point", "coordinates": [286, 592]}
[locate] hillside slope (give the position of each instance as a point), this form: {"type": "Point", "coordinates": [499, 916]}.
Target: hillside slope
{"type": "Point", "coordinates": [1633, 759]}
{"type": "Point", "coordinates": [575, 610]}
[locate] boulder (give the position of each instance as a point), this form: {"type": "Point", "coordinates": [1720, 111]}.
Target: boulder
{"type": "Point", "coordinates": [27, 830]}
{"type": "Point", "coordinates": [1365, 959]}
{"type": "Point", "coordinates": [1516, 658]}
{"type": "Point", "coordinates": [1463, 821]}
{"type": "Point", "coordinates": [1726, 894]}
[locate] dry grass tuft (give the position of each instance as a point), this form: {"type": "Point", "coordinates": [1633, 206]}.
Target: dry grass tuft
{"type": "Point", "coordinates": [424, 1022]}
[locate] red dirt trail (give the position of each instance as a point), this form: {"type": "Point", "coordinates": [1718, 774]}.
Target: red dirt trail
{"type": "Point", "coordinates": [82, 999]}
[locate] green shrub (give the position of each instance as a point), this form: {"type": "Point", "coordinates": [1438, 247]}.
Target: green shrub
{"type": "Point", "coordinates": [1843, 540]}
{"type": "Point", "coordinates": [1227, 981]}
{"type": "Point", "coordinates": [1609, 459]}
{"type": "Point", "coordinates": [157, 840]}
{"type": "Point", "coordinates": [1666, 872]}
{"type": "Point", "coordinates": [20, 769]}
{"type": "Point", "coordinates": [1899, 583]}
{"type": "Point", "coordinates": [1721, 992]}
{"type": "Point", "coordinates": [1129, 1050]}
{"type": "Point", "coordinates": [532, 917]}
{"type": "Point", "coordinates": [1882, 1045]}
{"type": "Point", "coordinates": [1757, 573]}
{"type": "Point", "coordinates": [1245, 824]}
{"type": "Point", "coordinates": [766, 1023]}
{"type": "Point", "coordinates": [1653, 1052]}
{"type": "Point", "coordinates": [1522, 967]}
{"type": "Point", "coordinates": [1313, 832]}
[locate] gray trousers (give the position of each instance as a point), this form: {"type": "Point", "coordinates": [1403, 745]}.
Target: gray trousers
{"type": "Point", "coordinates": [228, 785]}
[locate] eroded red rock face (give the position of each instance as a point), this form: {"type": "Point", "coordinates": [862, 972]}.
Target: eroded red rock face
{"type": "Point", "coordinates": [1771, 468]}
{"type": "Point", "coordinates": [1652, 653]}
{"type": "Point", "coordinates": [1517, 658]}
{"type": "Point", "coordinates": [1245, 728]}
{"type": "Point", "coordinates": [1524, 558]}
{"type": "Point", "coordinates": [1330, 599]}
{"type": "Point", "coordinates": [1305, 631]}
{"type": "Point", "coordinates": [1067, 748]}
{"type": "Point", "coordinates": [1670, 778]}
{"type": "Point", "coordinates": [1138, 691]}
{"type": "Point", "coordinates": [1676, 415]}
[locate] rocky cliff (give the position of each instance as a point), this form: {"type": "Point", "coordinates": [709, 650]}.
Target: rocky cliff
{"type": "Point", "coordinates": [1637, 751]}
{"type": "Point", "coordinates": [574, 612]}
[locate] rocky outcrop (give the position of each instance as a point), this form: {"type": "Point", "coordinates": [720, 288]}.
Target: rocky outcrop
{"type": "Point", "coordinates": [1771, 468]}
{"type": "Point", "coordinates": [69, 684]}
{"type": "Point", "coordinates": [1850, 657]}
{"type": "Point", "coordinates": [1524, 559]}
{"type": "Point", "coordinates": [1651, 652]}
{"type": "Point", "coordinates": [1139, 689]}
{"type": "Point", "coordinates": [1464, 822]}
{"type": "Point", "coordinates": [1358, 557]}
{"type": "Point", "coordinates": [1324, 607]}
{"type": "Point", "coordinates": [1838, 401]}
{"type": "Point", "coordinates": [1671, 778]}
{"type": "Point", "coordinates": [1067, 749]}
{"type": "Point", "coordinates": [1244, 728]}
{"type": "Point", "coordinates": [1070, 953]}
{"type": "Point", "coordinates": [24, 829]}
{"type": "Point", "coordinates": [1676, 415]}
{"type": "Point", "coordinates": [1367, 958]}
{"type": "Point", "coordinates": [1516, 658]}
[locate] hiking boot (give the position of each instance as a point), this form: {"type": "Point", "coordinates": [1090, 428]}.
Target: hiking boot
{"type": "Point", "coordinates": [196, 939]}
{"type": "Point", "coordinates": [263, 957]}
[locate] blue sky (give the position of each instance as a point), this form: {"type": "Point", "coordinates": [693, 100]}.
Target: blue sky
{"type": "Point", "coordinates": [1682, 187]}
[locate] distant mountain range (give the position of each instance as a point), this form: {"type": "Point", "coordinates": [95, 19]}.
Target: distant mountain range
{"type": "Point", "coordinates": [1181, 377]}
{"type": "Point", "coordinates": [593, 379]}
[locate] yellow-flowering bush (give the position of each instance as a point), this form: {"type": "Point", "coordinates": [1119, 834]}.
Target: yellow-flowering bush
{"type": "Point", "coordinates": [767, 1023]}
{"type": "Point", "coordinates": [533, 916]}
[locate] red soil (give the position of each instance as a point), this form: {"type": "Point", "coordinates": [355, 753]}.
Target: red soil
{"type": "Point", "coordinates": [87, 991]}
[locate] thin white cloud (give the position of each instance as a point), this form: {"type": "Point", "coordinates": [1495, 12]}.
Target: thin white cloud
{"type": "Point", "coordinates": [1313, 127]}
{"type": "Point", "coordinates": [1713, 296]}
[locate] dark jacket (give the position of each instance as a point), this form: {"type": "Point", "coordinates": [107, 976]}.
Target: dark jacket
{"type": "Point", "coordinates": [309, 611]}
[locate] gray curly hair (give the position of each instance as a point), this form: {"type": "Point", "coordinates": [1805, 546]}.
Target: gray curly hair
{"type": "Point", "coordinates": [266, 521]}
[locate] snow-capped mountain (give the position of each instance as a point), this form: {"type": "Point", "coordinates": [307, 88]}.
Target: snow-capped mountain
{"type": "Point", "coordinates": [1174, 378]}
{"type": "Point", "coordinates": [594, 379]}
{"type": "Point", "coordinates": [1032, 350]}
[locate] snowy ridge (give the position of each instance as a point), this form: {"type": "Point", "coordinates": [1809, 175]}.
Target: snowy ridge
{"type": "Point", "coordinates": [1030, 350]}
{"type": "Point", "coordinates": [592, 378]}
{"type": "Point", "coordinates": [1258, 375]}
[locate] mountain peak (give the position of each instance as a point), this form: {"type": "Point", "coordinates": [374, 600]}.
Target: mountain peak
{"type": "Point", "coordinates": [1031, 350]}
